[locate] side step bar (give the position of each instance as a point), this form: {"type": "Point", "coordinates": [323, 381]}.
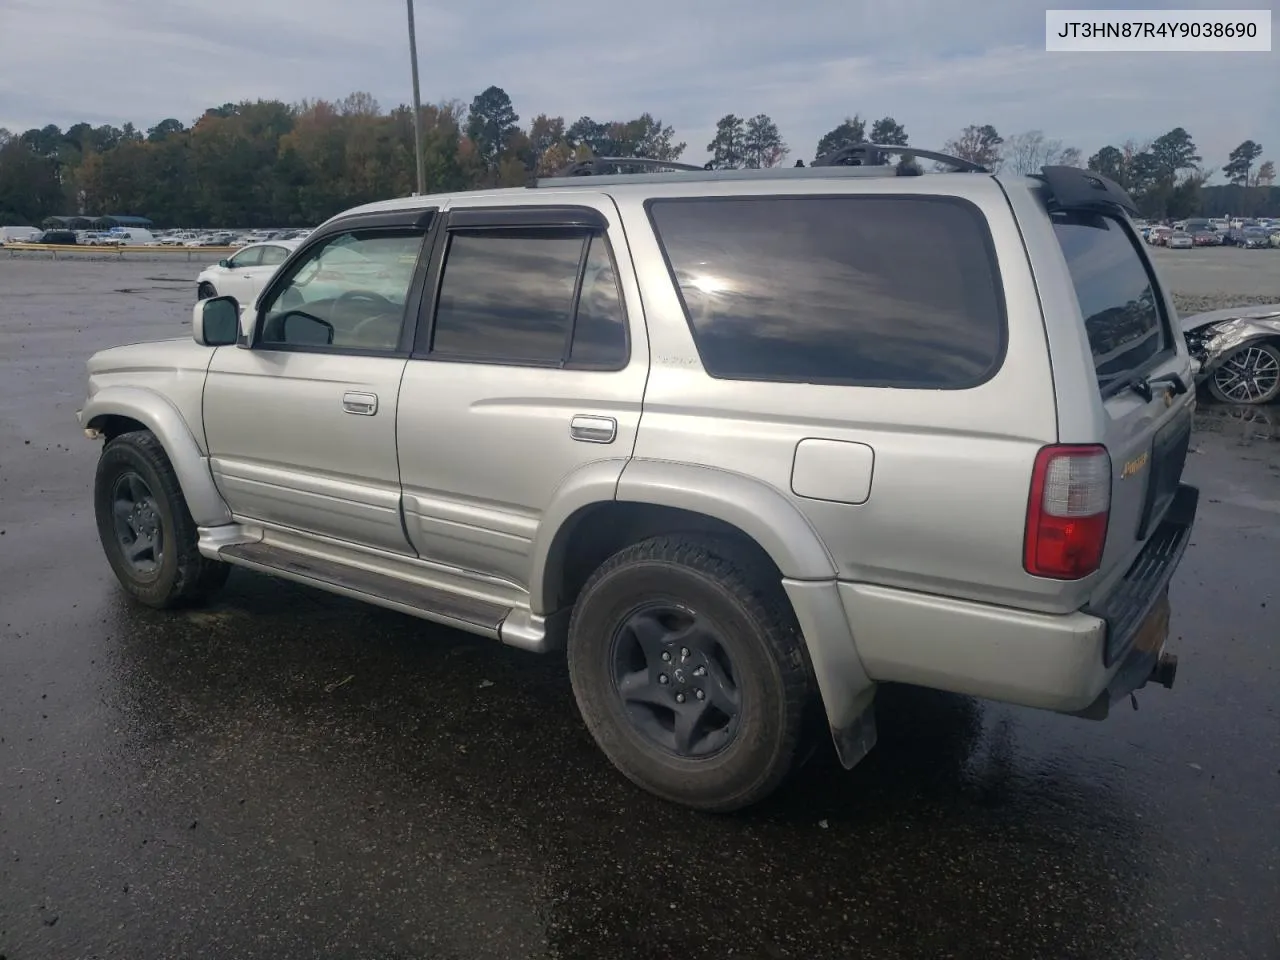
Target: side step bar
{"type": "Point", "coordinates": [465, 613]}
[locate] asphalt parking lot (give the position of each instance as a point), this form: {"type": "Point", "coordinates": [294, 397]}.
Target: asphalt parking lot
{"type": "Point", "coordinates": [289, 774]}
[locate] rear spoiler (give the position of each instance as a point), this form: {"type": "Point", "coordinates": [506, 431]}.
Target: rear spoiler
{"type": "Point", "coordinates": [1071, 188]}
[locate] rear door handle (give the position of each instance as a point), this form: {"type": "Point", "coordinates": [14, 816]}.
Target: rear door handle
{"type": "Point", "coordinates": [361, 404]}
{"type": "Point", "coordinates": [593, 429]}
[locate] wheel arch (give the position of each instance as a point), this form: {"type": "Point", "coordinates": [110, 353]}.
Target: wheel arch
{"type": "Point", "coordinates": [116, 410]}
{"type": "Point", "coordinates": [605, 508]}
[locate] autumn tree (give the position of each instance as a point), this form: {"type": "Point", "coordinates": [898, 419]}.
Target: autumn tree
{"type": "Point", "coordinates": [978, 144]}
{"type": "Point", "coordinates": [165, 128]}
{"type": "Point", "coordinates": [1026, 153]}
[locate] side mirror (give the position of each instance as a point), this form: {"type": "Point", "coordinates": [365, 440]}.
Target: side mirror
{"type": "Point", "coordinates": [224, 263]}
{"type": "Point", "coordinates": [216, 322]}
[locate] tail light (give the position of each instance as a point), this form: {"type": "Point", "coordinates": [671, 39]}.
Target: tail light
{"type": "Point", "coordinates": [1067, 512]}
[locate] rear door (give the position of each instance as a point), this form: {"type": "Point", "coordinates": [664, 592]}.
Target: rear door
{"type": "Point", "coordinates": [1136, 358]}
{"type": "Point", "coordinates": [528, 370]}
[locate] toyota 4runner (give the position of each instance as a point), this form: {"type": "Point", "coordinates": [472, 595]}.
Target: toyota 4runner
{"type": "Point", "coordinates": [745, 443]}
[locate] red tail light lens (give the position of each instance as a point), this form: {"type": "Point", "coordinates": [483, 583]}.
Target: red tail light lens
{"type": "Point", "coordinates": [1067, 512]}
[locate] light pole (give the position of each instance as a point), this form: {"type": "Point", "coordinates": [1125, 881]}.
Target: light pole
{"type": "Point", "coordinates": [417, 106]}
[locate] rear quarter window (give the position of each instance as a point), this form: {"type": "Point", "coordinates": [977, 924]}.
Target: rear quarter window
{"type": "Point", "coordinates": [869, 291]}
{"type": "Point", "coordinates": [1119, 300]}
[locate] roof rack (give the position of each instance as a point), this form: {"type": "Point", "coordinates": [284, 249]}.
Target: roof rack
{"type": "Point", "coordinates": [596, 166]}
{"type": "Point", "coordinates": [856, 159]}
{"type": "Point", "coordinates": [877, 155]}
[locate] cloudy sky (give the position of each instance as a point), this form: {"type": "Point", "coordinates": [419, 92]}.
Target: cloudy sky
{"type": "Point", "coordinates": [935, 65]}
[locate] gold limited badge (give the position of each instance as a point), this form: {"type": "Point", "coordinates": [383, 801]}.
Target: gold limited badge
{"type": "Point", "coordinates": [1133, 466]}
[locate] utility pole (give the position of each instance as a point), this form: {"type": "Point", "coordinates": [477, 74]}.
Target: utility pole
{"type": "Point", "coordinates": [417, 106]}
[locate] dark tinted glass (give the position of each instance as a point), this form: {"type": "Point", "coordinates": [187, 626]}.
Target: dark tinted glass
{"type": "Point", "coordinates": [507, 297]}
{"type": "Point", "coordinates": [599, 333]}
{"type": "Point", "coordinates": [860, 290]}
{"type": "Point", "coordinates": [1119, 303]}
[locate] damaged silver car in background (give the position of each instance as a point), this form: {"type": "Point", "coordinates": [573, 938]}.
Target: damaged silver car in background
{"type": "Point", "coordinates": [1239, 352]}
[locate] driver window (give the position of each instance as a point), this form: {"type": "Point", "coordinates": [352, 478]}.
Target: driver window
{"type": "Point", "coordinates": [348, 293]}
{"type": "Point", "coordinates": [246, 258]}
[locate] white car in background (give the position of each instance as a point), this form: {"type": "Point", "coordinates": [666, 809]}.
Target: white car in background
{"type": "Point", "coordinates": [244, 273]}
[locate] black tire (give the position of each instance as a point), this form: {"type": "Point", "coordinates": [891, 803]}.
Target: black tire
{"type": "Point", "coordinates": [175, 572]}
{"type": "Point", "coordinates": [1265, 361]}
{"type": "Point", "coordinates": [756, 631]}
{"type": "Point", "coordinates": [205, 291]}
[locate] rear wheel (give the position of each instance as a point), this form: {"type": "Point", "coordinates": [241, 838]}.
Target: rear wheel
{"type": "Point", "coordinates": [690, 673]}
{"type": "Point", "coordinates": [1251, 375]}
{"type": "Point", "coordinates": [146, 529]}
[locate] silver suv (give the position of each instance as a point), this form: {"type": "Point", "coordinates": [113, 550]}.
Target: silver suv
{"type": "Point", "coordinates": [746, 443]}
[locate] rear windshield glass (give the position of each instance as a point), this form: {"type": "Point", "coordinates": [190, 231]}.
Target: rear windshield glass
{"type": "Point", "coordinates": [876, 291]}
{"type": "Point", "coordinates": [1118, 299]}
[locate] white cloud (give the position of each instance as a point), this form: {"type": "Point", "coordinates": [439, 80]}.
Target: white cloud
{"type": "Point", "coordinates": [935, 65]}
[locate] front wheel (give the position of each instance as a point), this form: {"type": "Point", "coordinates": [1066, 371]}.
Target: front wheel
{"type": "Point", "coordinates": [205, 291]}
{"type": "Point", "coordinates": [690, 673]}
{"type": "Point", "coordinates": [1251, 375]}
{"type": "Point", "coordinates": [146, 528]}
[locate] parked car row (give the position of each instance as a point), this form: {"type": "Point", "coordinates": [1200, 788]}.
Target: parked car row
{"type": "Point", "coordinates": [132, 236]}
{"type": "Point", "coordinates": [1246, 234]}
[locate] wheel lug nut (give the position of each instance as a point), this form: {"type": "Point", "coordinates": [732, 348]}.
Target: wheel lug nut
{"type": "Point", "coordinates": [699, 694]}
{"type": "Point", "coordinates": [663, 679]}
{"type": "Point", "coordinates": [699, 671]}
{"type": "Point", "coordinates": [684, 653]}
{"type": "Point", "coordinates": [666, 657]}
{"type": "Point", "coordinates": [679, 698]}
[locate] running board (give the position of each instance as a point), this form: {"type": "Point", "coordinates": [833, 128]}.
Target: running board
{"type": "Point", "coordinates": [439, 606]}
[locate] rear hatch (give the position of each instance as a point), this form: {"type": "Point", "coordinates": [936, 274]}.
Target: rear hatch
{"type": "Point", "coordinates": [1139, 369]}
{"type": "Point", "coordinates": [1144, 381]}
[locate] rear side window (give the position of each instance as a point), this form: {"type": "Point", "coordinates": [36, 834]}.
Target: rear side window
{"type": "Point", "coordinates": [1118, 298]}
{"type": "Point", "coordinates": [872, 291]}
{"type": "Point", "coordinates": [537, 296]}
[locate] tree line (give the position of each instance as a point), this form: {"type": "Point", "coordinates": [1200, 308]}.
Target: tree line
{"type": "Point", "coordinates": [269, 163]}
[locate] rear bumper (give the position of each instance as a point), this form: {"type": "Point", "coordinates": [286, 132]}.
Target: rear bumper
{"type": "Point", "coordinates": [1074, 663]}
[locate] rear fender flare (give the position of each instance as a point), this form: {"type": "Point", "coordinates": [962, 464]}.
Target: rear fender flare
{"type": "Point", "coordinates": [757, 509]}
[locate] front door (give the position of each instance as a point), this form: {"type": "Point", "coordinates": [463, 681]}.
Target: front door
{"type": "Point", "coordinates": [301, 420]}
{"type": "Point", "coordinates": [528, 368]}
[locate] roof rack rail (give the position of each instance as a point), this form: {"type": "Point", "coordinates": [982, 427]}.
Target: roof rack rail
{"type": "Point", "coordinates": [853, 160]}
{"type": "Point", "coordinates": [595, 166]}
{"type": "Point", "coordinates": [877, 154]}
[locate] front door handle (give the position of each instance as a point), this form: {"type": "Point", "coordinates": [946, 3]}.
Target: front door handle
{"type": "Point", "coordinates": [593, 429]}
{"type": "Point", "coordinates": [361, 404]}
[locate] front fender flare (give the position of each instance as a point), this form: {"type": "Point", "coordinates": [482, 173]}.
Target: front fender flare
{"type": "Point", "coordinates": [162, 418]}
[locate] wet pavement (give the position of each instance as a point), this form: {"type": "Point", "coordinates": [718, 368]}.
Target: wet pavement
{"type": "Point", "coordinates": [288, 774]}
